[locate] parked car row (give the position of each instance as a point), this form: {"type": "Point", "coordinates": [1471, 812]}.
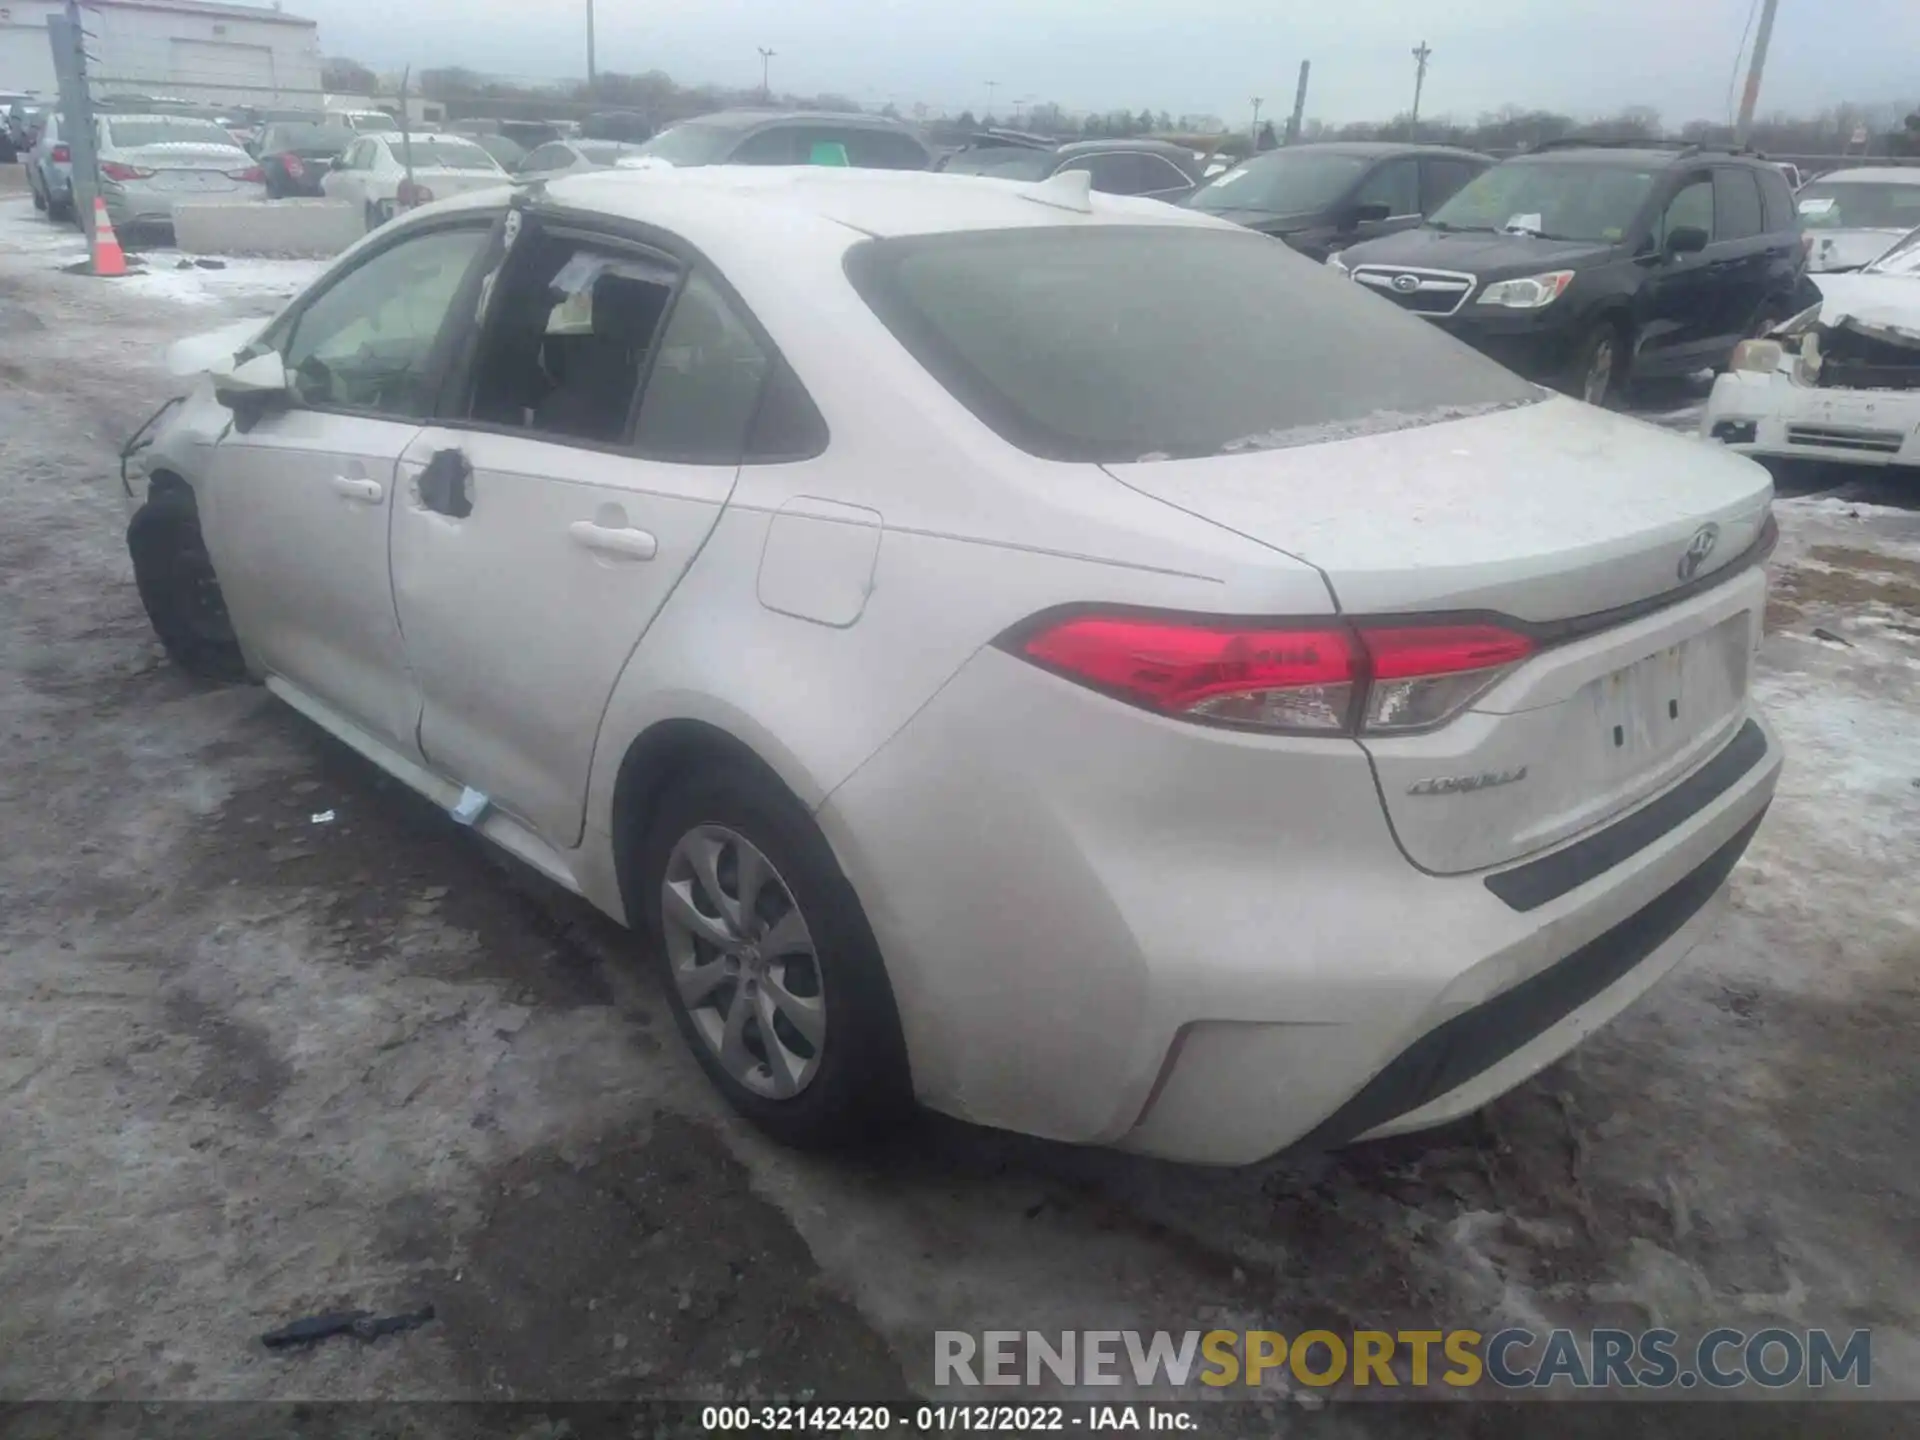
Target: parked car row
{"type": "Point", "coordinates": [1060, 658]}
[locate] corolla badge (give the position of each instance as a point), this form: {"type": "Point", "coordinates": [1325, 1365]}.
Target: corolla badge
{"type": "Point", "coordinates": [1697, 551]}
{"type": "Point", "coordinates": [1466, 784]}
{"type": "Point", "coordinates": [1406, 284]}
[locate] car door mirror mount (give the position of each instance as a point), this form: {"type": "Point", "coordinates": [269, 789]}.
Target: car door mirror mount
{"type": "Point", "coordinates": [250, 387]}
{"type": "Point", "coordinates": [1370, 212]}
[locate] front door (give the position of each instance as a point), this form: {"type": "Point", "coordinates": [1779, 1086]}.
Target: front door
{"type": "Point", "coordinates": [1677, 320]}
{"type": "Point", "coordinates": [1739, 261]}
{"type": "Point", "coordinates": [295, 510]}
{"type": "Point", "coordinates": [536, 536]}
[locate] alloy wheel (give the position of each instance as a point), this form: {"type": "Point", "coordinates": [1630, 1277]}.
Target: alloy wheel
{"type": "Point", "coordinates": [1599, 372]}
{"type": "Point", "coordinates": [743, 960]}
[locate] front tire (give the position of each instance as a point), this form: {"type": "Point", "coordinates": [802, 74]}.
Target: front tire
{"type": "Point", "coordinates": [1597, 371]}
{"type": "Point", "coordinates": [771, 970]}
{"type": "Point", "coordinates": [178, 586]}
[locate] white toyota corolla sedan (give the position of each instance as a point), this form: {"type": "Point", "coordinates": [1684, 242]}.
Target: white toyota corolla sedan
{"type": "Point", "coordinates": [1064, 659]}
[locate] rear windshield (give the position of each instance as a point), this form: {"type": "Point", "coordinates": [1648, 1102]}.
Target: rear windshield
{"type": "Point", "coordinates": [308, 137]}
{"type": "Point", "coordinates": [161, 130]}
{"type": "Point", "coordinates": [442, 153]}
{"type": "Point", "coordinates": [690, 144]}
{"type": "Point", "coordinates": [603, 152]}
{"type": "Point", "coordinates": [1128, 343]}
{"type": "Point", "coordinates": [1859, 205]}
{"type": "Point", "coordinates": [1005, 162]}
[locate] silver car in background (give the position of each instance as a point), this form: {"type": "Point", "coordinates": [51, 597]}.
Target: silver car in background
{"type": "Point", "coordinates": [50, 170]}
{"type": "Point", "coordinates": [148, 162]}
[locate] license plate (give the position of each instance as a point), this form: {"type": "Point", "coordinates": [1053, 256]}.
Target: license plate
{"type": "Point", "coordinates": [1656, 706]}
{"type": "Point", "coordinates": [190, 180]}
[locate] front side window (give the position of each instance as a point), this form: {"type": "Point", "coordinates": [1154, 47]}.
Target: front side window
{"type": "Point", "coordinates": [885, 150]}
{"type": "Point", "coordinates": [1736, 205]}
{"type": "Point", "coordinates": [1281, 182]}
{"type": "Point", "coordinates": [1395, 184]}
{"type": "Point", "coordinates": [572, 330]}
{"type": "Point", "coordinates": [1555, 199]}
{"type": "Point", "coordinates": [363, 343]}
{"type": "Point", "coordinates": [1128, 343]}
{"type": "Point", "coordinates": [1690, 209]}
{"type": "Point", "coordinates": [1444, 177]}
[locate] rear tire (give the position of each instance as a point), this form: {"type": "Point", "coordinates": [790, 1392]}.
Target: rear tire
{"type": "Point", "coordinates": [178, 586]}
{"type": "Point", "coordinates": [803, 953]}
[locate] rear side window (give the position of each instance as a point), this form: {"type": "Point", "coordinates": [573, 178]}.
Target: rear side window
{"type": "Point", "coordinates": [1126, 343]}
{"type": "Point", "coordinates": [1736, 205]}
{"type": "Point", "coordinates": [1108, 172]}
{"type": "Point", "coordinates": [705, 383]}
{"type": "Point", "coordinates": [1777, 202]}
{"type": "Point", "coordinates": [547, 157]}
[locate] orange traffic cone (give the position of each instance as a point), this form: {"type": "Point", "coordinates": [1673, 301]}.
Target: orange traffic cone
{"type": "Point", "coordinates": [108, 257]}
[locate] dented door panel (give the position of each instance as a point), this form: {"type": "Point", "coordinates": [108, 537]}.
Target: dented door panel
{"type": "Point", "coordinates": [520, 614]}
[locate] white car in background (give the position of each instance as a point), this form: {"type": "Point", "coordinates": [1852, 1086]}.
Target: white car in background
{"type": "Point", "coordinates": [373, 173]}
{"type": "Point", "coordinates": [149, 162]}
{"type": "Point", "coordinates": [989, 657]}
{"type": "Point", "coordinates": [1851, 217]}
{"type": "Point", "coordinates": [1839, 382]}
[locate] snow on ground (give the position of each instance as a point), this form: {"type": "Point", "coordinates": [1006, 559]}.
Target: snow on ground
{"type": "Point", "coordinates": [251, 1067]}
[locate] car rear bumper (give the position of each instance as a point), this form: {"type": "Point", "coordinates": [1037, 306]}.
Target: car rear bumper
{"type": "Point", "coordinates": [135, 204]}
{"type": "Point", "coordinates": [1106, 927]}
{"type": "Point", "coordinates": [1768, 414]}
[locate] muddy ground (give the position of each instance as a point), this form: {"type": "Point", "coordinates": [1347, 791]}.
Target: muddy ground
{"type": "Point", "coordinates": [254, 1066]}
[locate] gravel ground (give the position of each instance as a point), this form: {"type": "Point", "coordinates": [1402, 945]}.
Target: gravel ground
{"type": "Point", "coordinates": [253, 1066]}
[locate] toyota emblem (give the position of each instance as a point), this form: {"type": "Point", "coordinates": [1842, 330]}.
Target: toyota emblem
{"type": "Point", "coordinates": [1697, 551]}
{"type": "Point", "coordinates": [1406, 284]}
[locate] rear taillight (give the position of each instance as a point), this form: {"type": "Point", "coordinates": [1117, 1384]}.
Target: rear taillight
{"type": "Point", "coordinates": [1328, 679]}
{"type": "Point", "coordinates": [252, 175]}
{"type": "Point", "coordinates": [413, 193]}
{"type": "Point", "coordinates": [291, 164]}
{"type": "Point", "coordinates": [62, 155]}
{"type": "Point", "coordinates": [114, 170]}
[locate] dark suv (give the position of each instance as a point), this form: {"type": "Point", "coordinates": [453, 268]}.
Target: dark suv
{"type": "Point", "coordinates": [1155, 169]}
{"type": "Point", "coordinates": [1581, 263]}
{"type": "Point", "coordinates": [1320, 198]}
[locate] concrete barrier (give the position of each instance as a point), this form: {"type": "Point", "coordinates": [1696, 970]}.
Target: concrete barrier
{"type": "Point", "coordinates": [319, 228]}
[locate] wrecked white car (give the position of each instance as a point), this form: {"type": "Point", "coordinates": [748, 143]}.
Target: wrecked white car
{"type": "Point", "coordinates": [1851, 217]}
{"type": "Point", "coordinates": [1838, 382]}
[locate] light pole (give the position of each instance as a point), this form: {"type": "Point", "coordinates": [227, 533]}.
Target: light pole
{"type": "Point", "coordinates": [593, 78]}
{"type": "Point", "coordinates": [1751, 96]}
{"type": "Point", "coordinates": [1421, 54]}
{"type": "Point", "coordinates": [993, 88]}
{"type": "Point", "coordinates": [766, 71]}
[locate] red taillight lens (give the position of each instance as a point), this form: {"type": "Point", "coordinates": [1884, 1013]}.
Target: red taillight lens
{"type": "Point", "coordinates": [1422, 675]}
{"type": "Point", "coordinates": [114, 170]}
{"type": "Point", "coordinates": [1325, 679]}
{"type": "Point", "coordinates": [62, 155]}
{"type": "Point", "coordinates": [292, 165]}
{"type": "Point", "coordinates": [252, 175]}
{"type": "Point", "coordinates": [1278, 679]}
{"type": "Point", "coordinates": [414, 193]}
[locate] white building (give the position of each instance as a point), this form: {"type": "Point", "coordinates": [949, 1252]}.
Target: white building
{"type": "Point", "coordinates": [190, 50]}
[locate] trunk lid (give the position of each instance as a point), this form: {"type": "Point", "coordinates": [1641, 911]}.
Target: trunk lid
{"type": "Point", "coordinates": [443, 182]}
{"type": "Point", "coordinates": [1545, 513]}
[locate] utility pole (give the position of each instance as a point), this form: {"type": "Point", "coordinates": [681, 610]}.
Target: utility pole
{"type": "Point", "coordinates": [993, 88]}
{"type": "Point", "coordinates": [1299, 105]}
{"type": "Point", "coordinates": [1253, 131]}
{"type": "Point", "coordinates": [1421, 54]}
{"type": "Point", "coordinates": [1752, 95]}
{"type": "Point", "coordinates": [766, 72]}
{"type": "Point", "coordinates": [593, 73]}
{"type": "Point", "coordinates": [68, 36]}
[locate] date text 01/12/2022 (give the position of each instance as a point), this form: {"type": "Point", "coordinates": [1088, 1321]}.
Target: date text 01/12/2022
{"type": "Point", "coordinates": [947, 1419]}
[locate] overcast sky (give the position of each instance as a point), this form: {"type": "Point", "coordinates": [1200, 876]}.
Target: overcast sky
{"type": "Point", "coordinates": [1580, 56]}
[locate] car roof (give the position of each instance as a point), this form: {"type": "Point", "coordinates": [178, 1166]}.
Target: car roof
{"type": "Point", "coordinates": [1649, 157]}
{"type": "Point", "coordinates": [760, 119]}
{"type": "Point", "coordinates": [1151, 147]}
{"type": "Point", "coordinates": [1870, 175]}
{"type": "Point", "coordinates": [710, 201]}
{"type": "Point", "coordinates": [1371, 148]}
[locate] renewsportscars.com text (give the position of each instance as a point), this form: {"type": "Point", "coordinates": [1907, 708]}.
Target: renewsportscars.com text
{"type": "Point", "coordinates": [1511, 1359]}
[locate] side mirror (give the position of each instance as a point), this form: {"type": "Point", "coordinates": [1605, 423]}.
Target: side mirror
{"type": "Point", "coordinates": [338, 162]}
{"type": "Point", "coordinates": [1369, 214]}
{"type": "Point", "coordinates": [1686, 240]}
{"type": "Point", "coordinates": [262, 375]}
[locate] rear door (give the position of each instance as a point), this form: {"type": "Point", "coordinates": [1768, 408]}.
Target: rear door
{"type": "Point", "coordinates": [1739, 261]}
{"type": "Point", "coordinates": [540, 529]}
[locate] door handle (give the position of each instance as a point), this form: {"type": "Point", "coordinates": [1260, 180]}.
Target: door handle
{"type": "Point", "coordinates": [609, 540]}
{"type": "Point", "coordinates": [356, 487]}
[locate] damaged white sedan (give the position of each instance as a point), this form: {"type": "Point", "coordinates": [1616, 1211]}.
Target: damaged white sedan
{"type": "Point", "coordinates": [989, 658]}
{"type": "Point", "coordinates": [1838, 382]}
